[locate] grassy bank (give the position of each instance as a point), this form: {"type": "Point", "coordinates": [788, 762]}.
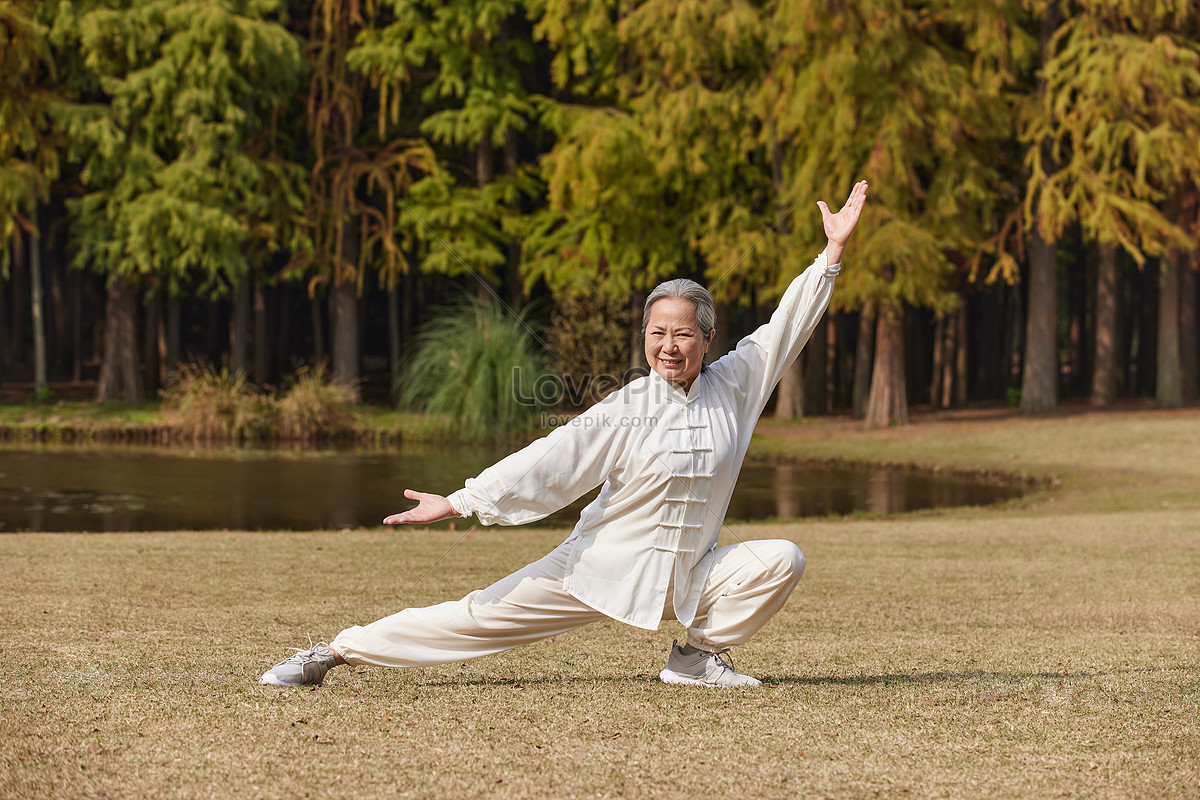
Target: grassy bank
{"type": "Point", "coordinates": [148, 422]}
{"type": "Point", "coordinates": [1047, 649]}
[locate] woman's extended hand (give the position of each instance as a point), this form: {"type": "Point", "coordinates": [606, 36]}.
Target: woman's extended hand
{"type": "Point", "coordinates": [430, 508]}
{"type": "Point", "coordinates": [840, 226]}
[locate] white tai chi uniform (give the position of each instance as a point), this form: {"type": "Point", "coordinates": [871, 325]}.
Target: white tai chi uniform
{"type": "Point", "coordinates": [645, 549]}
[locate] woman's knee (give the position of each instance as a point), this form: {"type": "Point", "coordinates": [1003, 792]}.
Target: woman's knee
{"type": "Point", "coordinates": [787, 558]}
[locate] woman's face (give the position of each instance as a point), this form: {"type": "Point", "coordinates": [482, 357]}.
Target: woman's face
{"type": "Point", "coordinates": [675, 347]}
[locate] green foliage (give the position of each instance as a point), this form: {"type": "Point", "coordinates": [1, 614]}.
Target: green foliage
{"type": "Point", "coordinates": [475, 369]}
{"type": "Point", "coordinates": [29, 144]}
{"type": "Point", "coordinates": [589, 337]}
{"type": "Point", "coordinates": [178, 155]}
{"type": "Point", "coordinates": [461, 69]}
{"type": "Point", "coordinates": [457, 229]}
{"type": "Point", "coordinates": [663, 177]}
{"type": "Point", "coordinates": [911, 97]}
{"type": "Point", "coordinates": [1121, 110]}
{"type": "Point", "coordinates": [610, 215]}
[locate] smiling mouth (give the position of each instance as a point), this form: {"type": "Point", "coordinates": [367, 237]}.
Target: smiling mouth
{"type": "Point", "coordinates": [670, 362]}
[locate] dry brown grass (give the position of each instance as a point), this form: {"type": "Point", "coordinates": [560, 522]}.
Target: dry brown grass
{"type": "Point", "coordinates": [1048, 649]}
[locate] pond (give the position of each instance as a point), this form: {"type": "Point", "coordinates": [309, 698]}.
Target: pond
{"type": "Point", "coordinates": [82, 488]}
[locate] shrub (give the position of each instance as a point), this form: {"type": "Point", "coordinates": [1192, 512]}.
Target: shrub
{"type": "Point", "coordinates": [212, 405]}
{"type": "Point", "coordinates": [474, 369]}
{"type": "Point", "coordinates": [589, 335]}
{"type": "Point", "coordinates": [314, 407]}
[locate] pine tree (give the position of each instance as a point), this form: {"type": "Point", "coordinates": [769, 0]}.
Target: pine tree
{"type": "Point", "coordinates": [911, 97]}
{"type": "Point", "coordinates": [656, 170]}
{"type": "Point", "coordinates": [1121, 114]}
{"type": "Point", "coordinates": [177, 192]}
{"type": "Point", "coordinates": [472, 58]}
{"type": "Point", "coordinates": [360, 174]}
{"type": "Point", "coordinates": [29, 152]}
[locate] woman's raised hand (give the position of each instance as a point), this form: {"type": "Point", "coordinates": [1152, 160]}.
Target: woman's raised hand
{"type": "Point", "coordinates": [839, 226]}
{"type": "Point", "coordinates": [430, 508]}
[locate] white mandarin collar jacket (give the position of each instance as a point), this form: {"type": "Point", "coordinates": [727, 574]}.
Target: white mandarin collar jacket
{"type": "Point", "coordinates": [668, 461]}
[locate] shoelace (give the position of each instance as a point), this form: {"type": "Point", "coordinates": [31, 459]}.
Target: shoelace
{"type": "Point", "coordinates": [299, 656]}
{"type": "Point", "coordinates": [727, 661]}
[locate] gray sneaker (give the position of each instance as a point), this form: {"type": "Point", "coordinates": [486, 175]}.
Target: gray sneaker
{"type": "Point", "coordinates": [305, 668]}
{"type": "Point", "coordinates": [702, 668]}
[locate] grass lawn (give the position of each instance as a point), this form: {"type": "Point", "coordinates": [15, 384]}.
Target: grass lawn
{"type": "Point", "coordinates": [1050, 648]}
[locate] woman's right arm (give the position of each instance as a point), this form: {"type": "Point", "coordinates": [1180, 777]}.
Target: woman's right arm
{"type": "Point", "coordinates": [537, 480]}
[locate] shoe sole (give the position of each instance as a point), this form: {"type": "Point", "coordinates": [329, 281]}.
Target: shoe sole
{"type": "Point", "coordinates": [271, 680]}
{"type": "Point", "coordinates": [670, 676]}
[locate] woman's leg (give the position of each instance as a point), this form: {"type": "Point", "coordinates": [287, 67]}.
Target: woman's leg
{"type": "Point", "coordinates": [749, 582]}
{"type": "Point", "coordinates": [525, 607]}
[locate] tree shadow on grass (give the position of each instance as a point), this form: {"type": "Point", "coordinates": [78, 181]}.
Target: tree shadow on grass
{"type": "Point", "coordinates": [898, 678]}
{"type": "Point", "coordinates": [962, 675]}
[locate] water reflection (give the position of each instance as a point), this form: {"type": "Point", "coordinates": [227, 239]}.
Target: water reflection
{"type": "Point", "coordinates": [131, 489]}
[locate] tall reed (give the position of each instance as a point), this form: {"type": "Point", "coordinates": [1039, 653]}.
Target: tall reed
{"type": "Point", "coordinates": [474, 370]}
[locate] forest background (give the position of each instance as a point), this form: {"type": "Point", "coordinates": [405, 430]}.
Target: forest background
{"type": "Point", "coordinates": [259, 186]}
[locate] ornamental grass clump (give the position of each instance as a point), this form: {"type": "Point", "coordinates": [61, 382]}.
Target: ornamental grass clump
{"type": "Point", "coordinates": [474, 371]}
{"type": "Point", "coordinates": [314, 407]}
{"type": "Point", "coordinates": [211, 405]}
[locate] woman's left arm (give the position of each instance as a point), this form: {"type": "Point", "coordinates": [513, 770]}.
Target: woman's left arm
{"type": "Point", "coordinates": [760, 359]}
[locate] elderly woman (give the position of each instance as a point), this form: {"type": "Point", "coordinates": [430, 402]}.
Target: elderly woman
{"type": "Point", "coordinates": [666, 449]}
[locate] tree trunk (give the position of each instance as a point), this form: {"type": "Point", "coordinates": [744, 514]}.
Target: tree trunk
{"type": "Point", "coordinates": [58, 332]}
{"type": "Point", "coordinates": [863, 352]}
{"type": "Point", "coordinates": [1189, 333]}
{"type": "Point", "coordinates": [484, 172]}
{"type": "Point", "coordinates": [721, 342]}
{"type": "Point", "coordinates": [512, 164]}
{"type": "Point", "coordinates": [318, 331]}
{"type": "Point", "coordinates": [119, 379]}
{"type": "Point", "coordinates": [76, 291]}
{"type": "Point", "coordinates": [1104, 360]}
{"type": "Point", "coordinates": [1077, 293]}
{"type": "Point", "coordinates": [283, 300]}
{"type": "Point", "coordinates": [1039, 371]}
{"type": "Point", "coordinates": [218, 335]}
{"type": "Point", "coordinates": [637, 345]}
{"type": "Point", "coordinates": [1039, 383]}
{"type": "Point", "coordinates": [4, 315]}
{"type": "Point", "coordinates": [150, 342]}
{"type": "Point", "coordinates": [1144, 373]}
{"type": "Point", "coordinates": [789, 403]}
{"type": "Point", "coordinates": [262, 339]}
{"type": "Point", "coordinates": [18, 275]}
{"type": "Point", "coordinates": [960, 357]}
{"type": "Point", "coordinates": [1168, 392]}
{"type": "Point", "coordinates": [888, 400]}
{"type": "Point", "coordinates": [174, 333]}
{"type": "Point", "coordinates": [816, 365]}
{"type": "Point", "coordinates": [40, 382]}
{"type": "Point", "coordinates": [394, 352]}
{"type": "Point", "coordinates": [345, 338]}
{"type": "Point", "coordinates": [939, 370]}
{"type": "Point", "coordinates": [239, 328]}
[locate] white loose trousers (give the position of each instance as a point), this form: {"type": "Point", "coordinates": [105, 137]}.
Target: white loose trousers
{"type": "Point", "coordinates": [748, 583]}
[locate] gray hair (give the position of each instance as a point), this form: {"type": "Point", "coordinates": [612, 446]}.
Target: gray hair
{"type": "Point", "coordinates": [684, 289]}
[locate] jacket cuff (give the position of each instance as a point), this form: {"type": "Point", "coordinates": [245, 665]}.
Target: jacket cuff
{"type": "Point", "coordinates": [460, 501]}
